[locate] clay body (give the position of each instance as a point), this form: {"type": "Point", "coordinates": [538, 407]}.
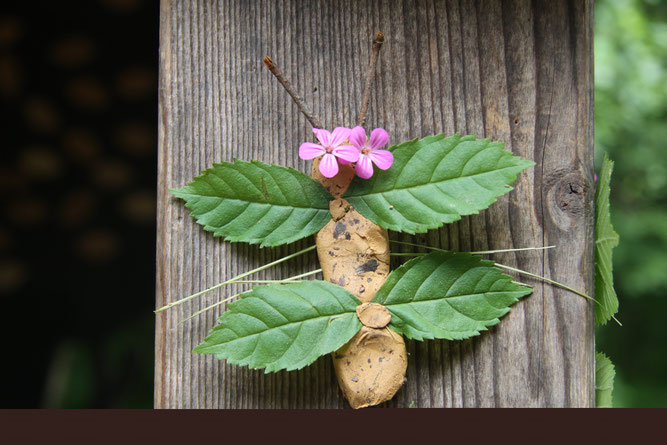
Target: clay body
{"type": "Point", "coordinates": [354, 254]}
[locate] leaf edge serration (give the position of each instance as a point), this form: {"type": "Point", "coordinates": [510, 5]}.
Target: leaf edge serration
{"type": "Point", "coordinates": [516, 293]}
{"type": "Point", "coordinates": [236, 306]}
{"type": "Point", "coordinates": [362, 206]}
{"type": "Point", "coordinates": [323, 210]}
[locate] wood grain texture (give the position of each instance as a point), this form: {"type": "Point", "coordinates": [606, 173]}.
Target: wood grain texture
{"type": "Point", "coordinates": [515, 71]}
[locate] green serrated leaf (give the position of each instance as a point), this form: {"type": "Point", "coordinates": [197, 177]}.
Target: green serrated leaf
{"type": "Point", "coordinates": [256, 203]}
{"type": "Point", "coordinates": [604, 380]}
{"type": "Point", "coordinates": [447, 295]}
{"type": "Point", "coordinates": [434, 181]}
{"type": "Point", "coordinates": [605, 241]}
{"type": "Point", "coordinates": [284, 326]}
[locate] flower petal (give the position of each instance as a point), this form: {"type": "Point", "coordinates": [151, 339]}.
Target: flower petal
{"type": "Point", "coordinates": [308, 150]}
{"type": "Point", "coordinates": [348, 153]}
{"type": "Point", "coordinates": [323, 136]}
{"type": "Point", "coordinates": [329, 165]}
{"type": "Point", "coordinates": [379, 138]}
{"type": "Point", "coordinates": [364, 167]}
{"type": "Point", "coordinates": [382, 158]}
{"type": "Point", "coordinates": [357, 137]}
{"type": "Point", "coordinates": [339, 135]}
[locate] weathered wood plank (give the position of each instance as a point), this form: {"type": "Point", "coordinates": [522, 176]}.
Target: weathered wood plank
{"type": "Point", "coordinates": [516, 71]}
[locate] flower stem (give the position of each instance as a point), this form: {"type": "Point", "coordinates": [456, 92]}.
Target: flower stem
{"type": "Point", "coordinates": [293, 279]}
{"type": "Point", "coordinates": [521, 249]}
{"type": "Point", "coordinates": [479, 252]}
{"type": "Point", "coordinates": [298, 100]}
{"type": "Point", "coordinates": [236, 278]}
{"type": "Point", "coordinates": [377, 44]}
{"type": "Point", "coordinates": [208, 307]}
{"type": "Point", "coordinates": [555, 283]}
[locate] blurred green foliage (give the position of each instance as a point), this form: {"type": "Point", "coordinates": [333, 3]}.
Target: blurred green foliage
{"type": "Point", "coordinates": [630, 125]}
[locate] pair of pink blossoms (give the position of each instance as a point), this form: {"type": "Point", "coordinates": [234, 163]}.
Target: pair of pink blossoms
{"type": "Point", "coordinates": [344, 146]}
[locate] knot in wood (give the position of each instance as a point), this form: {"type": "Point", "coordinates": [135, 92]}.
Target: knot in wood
{"type": "Point", "coordinates": [373, 315]}
{"type": "Point", "coordinates": [567, 197]}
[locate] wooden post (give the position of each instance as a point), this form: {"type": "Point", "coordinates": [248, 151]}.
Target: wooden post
{"type": "Point", "coordinates": [516, 71]}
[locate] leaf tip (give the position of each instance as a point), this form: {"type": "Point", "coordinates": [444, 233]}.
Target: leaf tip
{"type": "Point", "coordinates": [178, 192]}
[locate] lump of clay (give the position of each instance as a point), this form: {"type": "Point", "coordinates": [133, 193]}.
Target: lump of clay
{"type": "Point", "coordinates": [371, 367]}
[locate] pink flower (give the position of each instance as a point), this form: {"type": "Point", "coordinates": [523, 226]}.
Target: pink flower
{"type": "Point", "coordinates": [369, 149]}
{"type": "Point", "coordinates": [331, 146]}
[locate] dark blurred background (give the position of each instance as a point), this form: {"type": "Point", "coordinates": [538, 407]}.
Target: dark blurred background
{"type": "Point", "coordinates": [78, 87]}
{"type": "Point", "coordinates": [78, 84]}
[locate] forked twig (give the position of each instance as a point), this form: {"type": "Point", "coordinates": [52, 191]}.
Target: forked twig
{"type": "Point", "coordinates": [377, 44]}
{"type": "Point", "coordinates": [298, 100]}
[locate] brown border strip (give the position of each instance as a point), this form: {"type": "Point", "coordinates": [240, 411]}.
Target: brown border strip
{"type": "Point", "coordinates": [263, 426]}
